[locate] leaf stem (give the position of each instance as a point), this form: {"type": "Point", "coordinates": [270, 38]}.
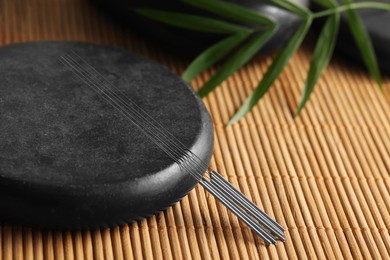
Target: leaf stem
{"type": "Point", "coordinates": [346, 7]}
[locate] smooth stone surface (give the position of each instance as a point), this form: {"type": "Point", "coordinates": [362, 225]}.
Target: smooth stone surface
{"type": "Point", "coordinates": [189, 42]}
{"type": "Point", "coordinates": [68, 159]}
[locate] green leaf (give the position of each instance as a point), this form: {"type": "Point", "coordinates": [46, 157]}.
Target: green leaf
{"type": "Point", "coordinates": [292, 7]}
{"type": "Point", "coordinates": [326, 3]}
{"type": "Point", "coordinates": [213, 54]}
{"type": "Point", "coordinates": [346, 7]}
{"type": "Point", "coordinates": [321, 56]}
{"type": "Point", "coordinates": [193, 22]}
{"type": "Point", "coordinates": [238, 59]}
{"type": "Point", "coordinates": [364, 43]}
{"type": "Point", "coordinates": [231, 10]}
{"type": "Point", "coordinates": [273, 71]}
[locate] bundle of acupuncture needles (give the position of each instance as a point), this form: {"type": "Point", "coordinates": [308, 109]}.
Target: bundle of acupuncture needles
{"type": "Point", "coordinates": [263, 225]}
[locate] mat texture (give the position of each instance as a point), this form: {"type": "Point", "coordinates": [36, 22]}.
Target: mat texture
{"type": "Point", "coordinates": [324, 176]}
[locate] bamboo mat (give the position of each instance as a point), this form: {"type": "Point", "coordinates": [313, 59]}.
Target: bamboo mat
{"type": "Point", "coordinates": [324, 176]}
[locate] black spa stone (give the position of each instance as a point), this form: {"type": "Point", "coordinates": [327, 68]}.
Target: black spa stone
{"type": "Point", "coordinates": [70, 160]}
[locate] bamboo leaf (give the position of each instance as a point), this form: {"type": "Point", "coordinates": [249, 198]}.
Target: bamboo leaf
{"type": "Point", "coordinates": [364, 43]}
{"type": "Point", "coordinates": [273, 71]}
{"type": "Point", "coordinates": [233, 11]}
{"type": "Point", "coordinates": [193, 22]}
{"type": "Point", "coordinates": [213, 54]}
{"type": "Point", "coordinates": [238, 59]}
{"type": "Point", "coordinates": [292, 7]}
{"type": "Point", "coordinates": [326, 3]}
{"type": "Point", "coordinates": [321, 56]}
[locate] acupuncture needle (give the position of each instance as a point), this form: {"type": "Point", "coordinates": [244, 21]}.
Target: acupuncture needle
{"type": "Point", "coordinates": [212, 181]}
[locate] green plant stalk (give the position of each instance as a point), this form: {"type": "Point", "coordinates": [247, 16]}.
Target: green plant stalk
{"type": "Point", "coordinates": [261, 89]}
{"type": "Point", "coordinates": [321, 57]}
{"type": "Point", "coordinates": [290, 6]}
{"type": "Point", "coordinates": [273, 71]}
{"type": "Point", "coordinates": [364, 43]}
{"type": "Point", "coordinates": [193, 22]}
{"type": "Point", "coordinates": [322, 52]}
{"type": "Point", "coordinates": [238, 59]}
{"type": "Point", "coordinates": [214, 53]}
{"type": "Point", "coordinates": [353, 6]}
{"type": "Point", "coordinates": [232, 11]}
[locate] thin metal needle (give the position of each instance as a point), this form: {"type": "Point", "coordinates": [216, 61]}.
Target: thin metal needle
{"type": "Point", "coordinates": [234, 208]}
{"type": "Point", "coordinates": [244, 202]}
